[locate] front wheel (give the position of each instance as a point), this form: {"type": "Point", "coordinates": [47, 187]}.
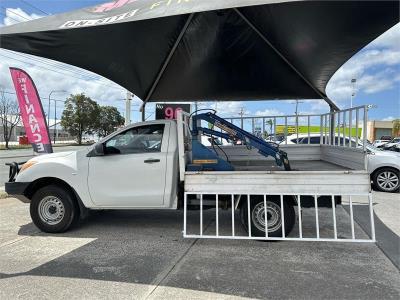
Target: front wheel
{"type": "Point", "coordinates": [53, 209]}
{"type": "Point", "coordinates": [387, 180]}
{"type": "Point", "coordinates": [274, 216]}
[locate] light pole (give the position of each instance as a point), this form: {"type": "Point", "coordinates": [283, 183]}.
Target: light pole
{"type": "Point", "coordinates": [241, 114]}
{"type": "Point", "coordinates": [48, 112]}
{"type": "Point", "coordinates": [297, 119]}
{"type": "Point", "coordinates": [128, 102]}
{"type": "Point", "coordinates": [353, 91]}
{"type": "Point", "coordinates": [55, 122]}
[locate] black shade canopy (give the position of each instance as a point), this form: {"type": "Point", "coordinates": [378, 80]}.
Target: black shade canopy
{"type": "Point", "coordinates": [187, 50]}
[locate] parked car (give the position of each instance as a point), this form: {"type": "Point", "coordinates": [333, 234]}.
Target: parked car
{"type": "Point", "coordinates": [395, 148]}
{"type": "Point", "coordinates": [275, 138]}
{"type": "Point", "coordinates": [379, 143]}
{"type": "Point", "coordinates": [391, 143]}
{"type": "Point", "coordinates": [293, 139]}
{"type": "Point", "coordinates": [208, 141]}
{"type": "Point", "coordinates": [383, 166]}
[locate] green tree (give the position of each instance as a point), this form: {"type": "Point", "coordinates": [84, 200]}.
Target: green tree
{"type": "Point", "coordinates": [396, 127]}
{"type": "Point", "coordinates": [80, 116]}
{"type": "Point", "coordinates": [109, 120]}
{"type": "Point", "coordinates": [9, 116]}
{"type": "Point", "coordinates": [270, 122]}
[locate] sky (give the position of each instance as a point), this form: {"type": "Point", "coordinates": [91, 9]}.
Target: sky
{"type": "Point", "coordinates": [376, 69]}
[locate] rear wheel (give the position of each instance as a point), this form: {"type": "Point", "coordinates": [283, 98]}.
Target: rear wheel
{"type": "Point", "coordinates": [274, 216]}
{"type": "Point", "coordinates": [53, 209]}
{"type": "Point", "coordinates": [387, 180]}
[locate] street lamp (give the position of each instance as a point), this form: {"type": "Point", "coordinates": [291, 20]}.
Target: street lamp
{"type": "Point", "coordinates": [353, 91]}
{"type": "Point", "coordinates": [48, 111]}
{"type": "Point", "coordinates": [297, 119]}
{"type": "Point", "coordinates": [48, 114]}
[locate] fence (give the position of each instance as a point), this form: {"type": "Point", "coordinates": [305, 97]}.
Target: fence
{"type": "Point", "coordinates": [345, 128]}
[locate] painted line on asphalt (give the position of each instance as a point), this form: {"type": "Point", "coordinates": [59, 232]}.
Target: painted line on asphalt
{"type": "Point", "coordinates": [16, 240]}
{"type": "Point", "coordinates": [163, 275]}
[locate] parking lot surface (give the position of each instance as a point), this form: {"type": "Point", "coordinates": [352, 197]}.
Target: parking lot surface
{"type": "Point", "coordinates": [142, 255]}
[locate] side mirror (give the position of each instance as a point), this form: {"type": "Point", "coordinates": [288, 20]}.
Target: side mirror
{"type": "Point", "coordinates": [98, 150]}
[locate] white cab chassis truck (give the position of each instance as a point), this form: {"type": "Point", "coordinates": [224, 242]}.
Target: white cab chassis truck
{"type": "Point", "coordinates": [143, 166]}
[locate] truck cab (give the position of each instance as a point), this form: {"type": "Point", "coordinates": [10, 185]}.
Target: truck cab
{"type": "Point", "coordinates": [135, 167]}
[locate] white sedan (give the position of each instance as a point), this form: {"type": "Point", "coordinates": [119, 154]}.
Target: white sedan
{"type": "Point", "coordinates": [383, 166]}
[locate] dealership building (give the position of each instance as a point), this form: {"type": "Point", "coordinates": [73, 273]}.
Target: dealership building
{"type": "Point", "coordinates": [377, 129]}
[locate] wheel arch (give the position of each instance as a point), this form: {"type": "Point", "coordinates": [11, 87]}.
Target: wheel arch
{"type": "Point", "coordinates": [46, 181]}
{"type": "Point", "coordinates": [381, 168]}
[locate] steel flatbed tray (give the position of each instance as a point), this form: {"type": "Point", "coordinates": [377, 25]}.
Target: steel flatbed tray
{"type": "Point", "coordinates": [274, 182]}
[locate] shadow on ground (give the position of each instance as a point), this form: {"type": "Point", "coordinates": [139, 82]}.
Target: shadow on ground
{"type": "Point", "coordinates": [147, 247]}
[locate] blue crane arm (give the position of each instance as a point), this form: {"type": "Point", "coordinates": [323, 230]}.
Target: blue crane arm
{"type": "Point", "coordinates": [233, 132]}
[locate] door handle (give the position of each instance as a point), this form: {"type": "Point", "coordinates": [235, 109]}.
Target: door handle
{"type": "Point", "coordinates": [151, 161]}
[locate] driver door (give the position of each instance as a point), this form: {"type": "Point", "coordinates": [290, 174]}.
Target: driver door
{"type": "Point", "coordinates": [132, 172]}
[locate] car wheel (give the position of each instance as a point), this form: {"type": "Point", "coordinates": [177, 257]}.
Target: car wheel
{"type": "Point", "coordinates": [53, 209]}
{"type": "Point", "coordinates": [274, 217]}
{"type": "Point", "coordinates": [387, 180]}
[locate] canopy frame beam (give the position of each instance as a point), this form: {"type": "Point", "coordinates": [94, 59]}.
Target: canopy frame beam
{"type": "Point", "coordinates": [332, 105]}
{"type": "Point", "coordinates": [165, 65]}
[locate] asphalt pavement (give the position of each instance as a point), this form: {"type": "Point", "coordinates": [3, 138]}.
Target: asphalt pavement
{"type": "Point", "coordinates": [21, 155]}
{"type": "Point", "coordinates": [142, 255]}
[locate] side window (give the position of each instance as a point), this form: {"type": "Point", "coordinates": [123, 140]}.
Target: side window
{"type": "Point", "coordinates": [136, 140]}
{"type": "Point", "coordinates": [315, 140]}
{"type": "Point", "coordinates": [304, 140]}
{"type": "Point", "coordinates": [294, 141]}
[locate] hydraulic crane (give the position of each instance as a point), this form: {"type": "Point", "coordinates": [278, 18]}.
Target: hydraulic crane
{"type": "Point", "coordinates": [205, 159]}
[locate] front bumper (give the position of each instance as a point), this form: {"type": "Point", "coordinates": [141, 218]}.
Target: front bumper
{"type": "Point", "coordinates": [17, 190]}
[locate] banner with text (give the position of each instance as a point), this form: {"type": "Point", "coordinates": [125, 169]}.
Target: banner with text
{"type": "Point", "coordinates": [31, 111]}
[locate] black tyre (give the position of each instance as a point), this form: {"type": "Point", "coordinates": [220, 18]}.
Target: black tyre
{"type": "Point", "coordinates": [53, 209]}
{"type": "Point", "coordinates": [386, 180]}
{"type": "Point", "coordinates": [257, 216]}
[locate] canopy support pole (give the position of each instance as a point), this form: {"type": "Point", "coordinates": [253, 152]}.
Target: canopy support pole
{"type": "Point", "coordinates": [261, 35]}
{"type": "Point", "coordinates": [166, 62]}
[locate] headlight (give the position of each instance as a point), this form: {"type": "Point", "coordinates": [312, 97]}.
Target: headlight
{"type": "Point", "coordinates": [27, 165]}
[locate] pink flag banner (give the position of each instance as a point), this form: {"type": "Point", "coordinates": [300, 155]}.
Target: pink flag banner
{"type": "Point", "coordinates": [31, 111]}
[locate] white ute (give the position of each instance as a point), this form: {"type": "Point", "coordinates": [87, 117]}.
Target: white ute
{"type": "Point", "coordinates": [143, 166]}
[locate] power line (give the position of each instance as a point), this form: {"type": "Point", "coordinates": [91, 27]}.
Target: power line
{"type": "Point", "coordinates": [58, 100]}
{"type": "Point", "coordinates": [58, 65]}
{"type": "Point", "coordinates": [13, 12]}
{"type": "Point", "coordinates": [71, 69]}
{"type": "Point", "coordinates": [80, 78]}
{"type": "Point", "coordinates": [3, 14]}
{"type": "Point", "coordinates": [42, 97]}
{"type": "Point", "coordinates": [34, 7]}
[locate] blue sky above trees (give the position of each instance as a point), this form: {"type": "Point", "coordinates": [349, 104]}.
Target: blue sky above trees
{"type": "Point", "coordinates": [376, 68]}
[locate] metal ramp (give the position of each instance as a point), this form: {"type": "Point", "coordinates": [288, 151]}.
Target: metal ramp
{"type": "Point", "coordinates": [318, 224]}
